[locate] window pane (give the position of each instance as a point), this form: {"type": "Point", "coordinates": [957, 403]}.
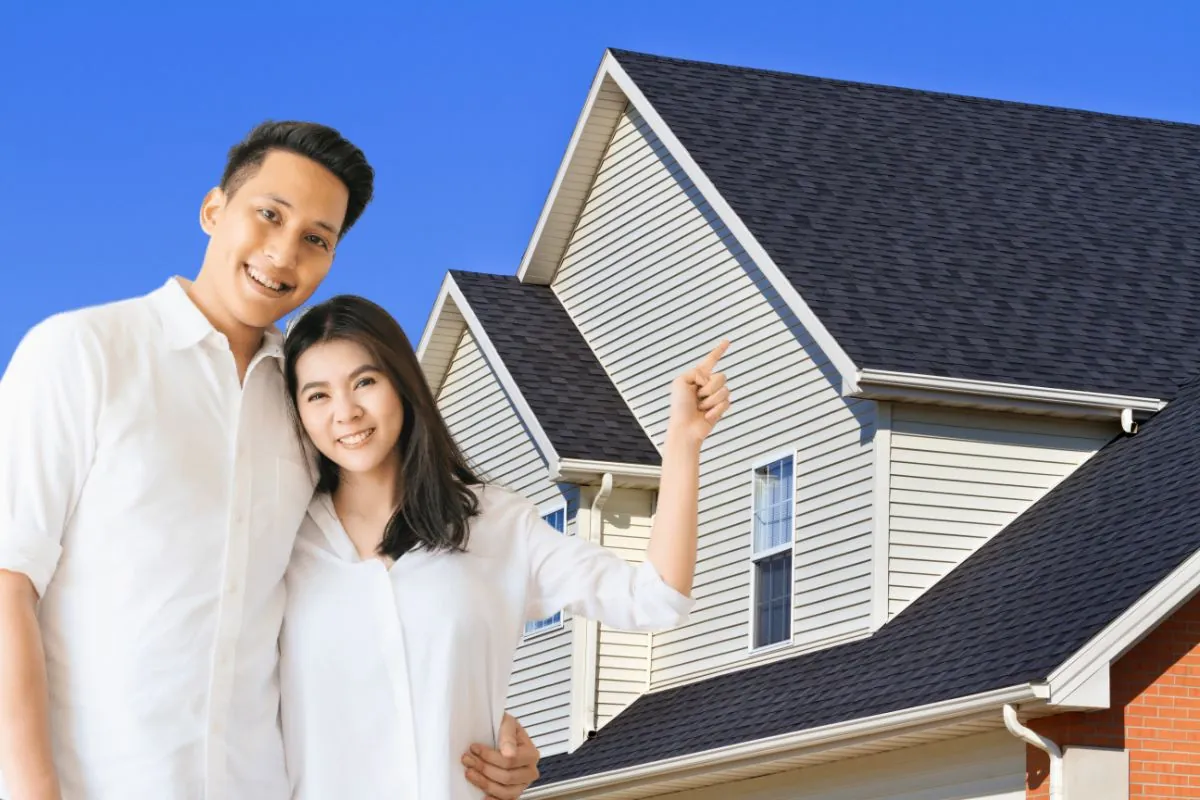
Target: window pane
{"type": "Point", "coordinates": [773, 505]}
{"type": "Point", "coordinates": [558, 521]}
{"type": "Point", "coordinates": [773, 599]}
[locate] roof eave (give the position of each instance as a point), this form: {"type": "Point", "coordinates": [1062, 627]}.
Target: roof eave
{"type": "Point", "coordinates": [798, 749]}
{"type": "Point", "coordinates": [588, 472]}
{"type": "Point", "coordinates": [876, 384]}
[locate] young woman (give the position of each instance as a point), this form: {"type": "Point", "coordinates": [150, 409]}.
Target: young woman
{"type": "Point", "coordinates": [412, 580]}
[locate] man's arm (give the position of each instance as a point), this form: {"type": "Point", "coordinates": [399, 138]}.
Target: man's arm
{"type": "Point", "coordinates": [24, 722]}
{"type": "Point", "coordinates": [506, 773]}
{"type": "Point", "coordinates": [49, 397]}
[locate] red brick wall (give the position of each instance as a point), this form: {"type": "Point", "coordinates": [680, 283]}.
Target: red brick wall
{"type": "Point", "coordinates": [1155, 715]}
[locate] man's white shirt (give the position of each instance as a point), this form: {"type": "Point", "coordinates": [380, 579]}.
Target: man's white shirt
{"type": "Point", "coordinates": [154, 503]}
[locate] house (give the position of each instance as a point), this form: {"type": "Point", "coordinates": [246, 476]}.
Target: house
{"type": "Point", "coordinates": [950, 531]}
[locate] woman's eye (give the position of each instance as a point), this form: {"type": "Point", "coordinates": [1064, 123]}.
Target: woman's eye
{"type": "Point", "coordinates": [318, 241]}
{"type": "Point", "coordinates": [268, 214]}
{"type": "Point", "coordinates": [365, 382]}
{"type": "Point", "coordinates": [315, 396]}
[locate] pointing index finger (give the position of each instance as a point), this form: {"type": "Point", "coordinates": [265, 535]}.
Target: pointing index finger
{"type": "Point", "coordinates": [710, 360]}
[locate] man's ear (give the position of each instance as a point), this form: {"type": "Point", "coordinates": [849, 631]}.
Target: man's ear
{"type": "Point", "coordinates": [211, 208]}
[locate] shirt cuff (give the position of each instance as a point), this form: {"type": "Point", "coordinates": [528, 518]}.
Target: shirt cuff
{"type": "Point", "coordinates": [662, 606]}
{"type": "Point", "coordinates": [31, 553]}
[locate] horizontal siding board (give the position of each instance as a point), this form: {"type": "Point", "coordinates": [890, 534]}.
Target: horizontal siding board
{"type": "Point", "coordinates": [958, 477]}
{"type": "Point", "coordinates": [488, 430]}
{"type": "Point", "coordinates": [648, 247]}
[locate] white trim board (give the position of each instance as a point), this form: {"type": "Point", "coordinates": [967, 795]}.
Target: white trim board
{"type": "Point", "coordinates": [444, 322]}
{"type": "Point", "coordinates": [885, 385]}
{"type": "Point", "coordinates": [596, 122]}
{"type": "Point", "coordinates": [601, 111]}
{"type": "Point", "coordinates": [586, 472]}
{"type": "Point", "coordinates": [881, 500]}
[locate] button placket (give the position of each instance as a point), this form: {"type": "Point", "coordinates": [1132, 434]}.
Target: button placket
{"type": "Point", "coordinates": [229, 618]}
{"type": "Point", "coordinates": [396, 658]}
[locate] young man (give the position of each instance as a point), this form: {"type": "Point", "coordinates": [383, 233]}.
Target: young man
{"type": "Point", "coordinates": [151, 487]}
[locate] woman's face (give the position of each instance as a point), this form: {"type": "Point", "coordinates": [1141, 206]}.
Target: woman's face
{"type": "Point", "coordinates": [348, 407]}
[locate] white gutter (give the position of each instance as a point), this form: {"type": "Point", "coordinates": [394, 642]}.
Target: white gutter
{"type": "Point", "coordinates": [1041, 743]}
{"type": "Point", "coordinates": [913, 387]}
{"type": "Point", "coordinates": [647, 475]}
{"type": "Point", "coordinates": [790, 744]}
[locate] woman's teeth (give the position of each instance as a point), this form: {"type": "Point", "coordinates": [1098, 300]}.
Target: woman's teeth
{"type": "Point", "coordinates": [356, 438]}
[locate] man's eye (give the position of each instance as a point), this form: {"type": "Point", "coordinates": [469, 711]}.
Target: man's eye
{"type": "Point", "coordinates": [268, 214]}
{"type": "Point", "coordinates": [318, 241]}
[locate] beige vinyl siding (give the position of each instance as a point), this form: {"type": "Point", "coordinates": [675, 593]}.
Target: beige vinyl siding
{"type": "Point", "coordinates": [958, 477]}
{"type": "Point", "coordinates": [623, 656]}
{"type": "Point", "coordinates": [653, 279]}
{"type": "Point", "coordinates": [487, 428]}
{"type": "Point", "coordinates": [988, 766]}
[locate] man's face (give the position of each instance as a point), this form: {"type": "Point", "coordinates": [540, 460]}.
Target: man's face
{"type": "Point", "coordinates": [271, 243]}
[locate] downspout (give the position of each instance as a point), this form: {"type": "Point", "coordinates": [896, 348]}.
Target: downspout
{"type": "Point", "coordinates": [591, 645]}
{"type": "Point", "coordinates": [1041, 743]}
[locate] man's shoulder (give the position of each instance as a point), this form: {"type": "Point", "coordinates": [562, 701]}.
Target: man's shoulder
{"type": "Point", "coordinates": [94, 330]}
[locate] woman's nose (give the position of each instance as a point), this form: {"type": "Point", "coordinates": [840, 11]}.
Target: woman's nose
{"type": "Point", "coordinates": [346, 410]}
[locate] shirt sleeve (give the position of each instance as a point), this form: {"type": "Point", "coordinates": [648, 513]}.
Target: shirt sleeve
{"type": "Point", "coordinates": [48, 400]}
{"type": "Point", "coordinates": [581, 577]}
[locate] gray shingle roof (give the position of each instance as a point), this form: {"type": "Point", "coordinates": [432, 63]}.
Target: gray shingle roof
{"type": "Point", "coordinates": [1010, 614]}
{"type": "Point", "coordinates": [568, 391]}
{"type": "Point", "coordinates": [956, 236]}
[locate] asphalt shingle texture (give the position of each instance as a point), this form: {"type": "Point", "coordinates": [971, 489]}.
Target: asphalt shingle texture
{"type": "Point", "coordinates": [1010, 614]}
{"type": "Point", "coordinates": [956, 236]}
{"type": "Point", "coordinates": [568, 391]}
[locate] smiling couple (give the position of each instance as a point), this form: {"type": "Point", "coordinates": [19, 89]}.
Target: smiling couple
{"type": "Point", "coordinates": [240, 565]}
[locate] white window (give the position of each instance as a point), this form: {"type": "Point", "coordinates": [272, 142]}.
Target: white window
{"type": "Point", "coordinates": [556, 519]}
{"type": "Point", "coordinates": [771, 553]}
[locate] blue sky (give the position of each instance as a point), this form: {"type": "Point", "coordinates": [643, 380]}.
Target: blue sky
{"type": "Point", "coordinates": [115, 118]}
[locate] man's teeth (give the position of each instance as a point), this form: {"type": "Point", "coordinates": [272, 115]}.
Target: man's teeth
{"type": "Point", "coordinates": [263, 279]}
{"type": "Point", "coordinates": [357, 438]}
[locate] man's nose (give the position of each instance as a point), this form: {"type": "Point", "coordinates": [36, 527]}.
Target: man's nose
{"type": "Point", "coordinates": [281, 249]}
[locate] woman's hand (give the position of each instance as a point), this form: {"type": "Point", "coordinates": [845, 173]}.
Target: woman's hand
{"type": "Point", "coordinates": [699, 397]}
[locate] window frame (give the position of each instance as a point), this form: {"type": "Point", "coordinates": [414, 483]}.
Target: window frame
{"type": "Point", "coordinates": [754, 557]}
{"type": "Point", "coordinates": [545, 510]}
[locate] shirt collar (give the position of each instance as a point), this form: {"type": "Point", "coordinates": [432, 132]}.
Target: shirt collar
{"type": "Point", "coordinates": [325, 516]}
{"type": "Point", "coordinates": [184, 325]}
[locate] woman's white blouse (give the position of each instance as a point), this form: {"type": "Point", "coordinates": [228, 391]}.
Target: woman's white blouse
{"type": "Point", "coordinates": [389, 675]}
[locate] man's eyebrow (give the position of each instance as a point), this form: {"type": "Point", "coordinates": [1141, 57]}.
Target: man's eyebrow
{"type": "Point", "coordinates": [286, 204]}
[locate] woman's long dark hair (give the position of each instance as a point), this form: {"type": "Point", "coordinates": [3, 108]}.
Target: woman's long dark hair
{"type": "Point", "coordinates": [434, 479]}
